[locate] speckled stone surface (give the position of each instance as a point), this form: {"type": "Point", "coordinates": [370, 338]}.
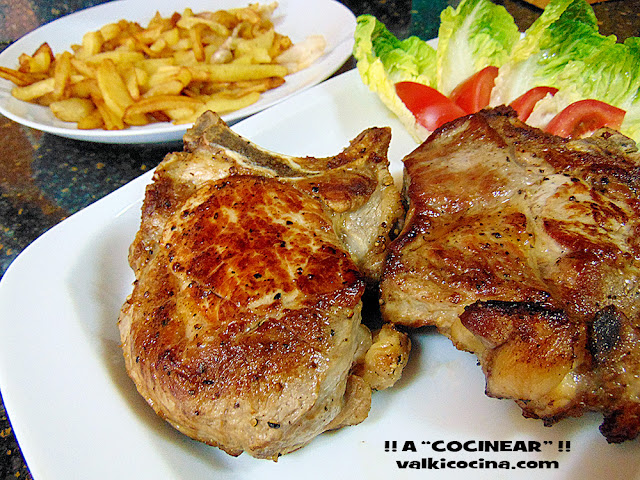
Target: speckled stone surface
{"type": "Point", "coordinates": [44, 179]}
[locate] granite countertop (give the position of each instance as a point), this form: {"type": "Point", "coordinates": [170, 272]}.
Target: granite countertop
{"type": "Point", "coordinates": [45, 179]}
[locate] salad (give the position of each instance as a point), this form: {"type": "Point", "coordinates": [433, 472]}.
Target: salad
{"type": "Point", "coordinates": [561, 75]}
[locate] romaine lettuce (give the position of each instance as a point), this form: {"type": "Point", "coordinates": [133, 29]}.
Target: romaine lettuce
{"type": "Point", "coordinates": [631, 123]}
{"type": "Point", "coordinates": [563, 48]}
{"type": "Point", "coordinates": [565, 33]}
{"type": "Point", "coordinates": [476, 34]}
{"type": "Point", "coordinates": [412, 59]}
{"type": "Point", "coordinates": [383, 60]}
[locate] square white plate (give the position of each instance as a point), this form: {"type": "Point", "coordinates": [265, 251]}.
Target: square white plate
{"type": "Point", "coordinates": [77, 415]}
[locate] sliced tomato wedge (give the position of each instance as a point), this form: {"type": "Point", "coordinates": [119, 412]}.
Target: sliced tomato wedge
{"type": "Point", "coordinates": [525, 103]}
{"type": "Point", "coordinates": [474, 93]}
{"type": "Point", "coordinates": [430, 107]}
{"type": "Point", "coordinates": [585, 116]}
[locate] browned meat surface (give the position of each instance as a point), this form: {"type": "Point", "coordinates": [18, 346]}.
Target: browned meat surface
{"type": "Point", "coordinates": [244, 328]}
{"type": "Point", "coordinates": [524, 249]}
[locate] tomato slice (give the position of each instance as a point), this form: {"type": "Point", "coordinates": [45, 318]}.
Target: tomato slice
{"type": "Point", "coordinates": [474, 93]}
{"type": "Point", "coordinates": [430, 107]}
{"type": "Point", "coordinates": [525, 103]}
{"type": "Point", "coordinates": [585, 116]}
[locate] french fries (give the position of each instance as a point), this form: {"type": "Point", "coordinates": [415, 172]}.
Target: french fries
{"type": "Point", "coordinates": [173, 69]}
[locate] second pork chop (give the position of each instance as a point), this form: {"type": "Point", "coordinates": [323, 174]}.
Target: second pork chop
{"type": "Point", "coordinates": [524, 248]}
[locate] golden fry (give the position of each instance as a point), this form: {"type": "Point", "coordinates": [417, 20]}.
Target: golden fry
{"type": "Point", "coordinates": [110, 31]}
{"type": "Point", "coordinates": [19, 78]}
{"type": "Point", "coordinates": [169, 73]}
{"type": "Point", "coordinates": [72, 109]}
{"type": "Point", "coordinates": [39, 62]}
{"type": "Point", "coordinates": [171, 37]}
{"type": "Point", "coordinates": [232, 72]}
{"type": "Point", "coordinates": [31, 92]}
{"type": "Point", "coordinates": [234, 89]}
{"type": "Point", "coordinates": [170, 87]}
{"type": "Point", "coordinates": [160, 103]}
{"type": "Point", "coordinates": [222, 104]}
{"type": "Point", "coordinates": [91, 121]}
{"type": "Point", "coordinates": [196, 43]}
{"type": "Point", "coordinates": [131, 80]}
{"type": "Point", "coordinates": [111, 120]}
{"type": "Point", "coordinates": [86, 88]}
{"type": "Point", "coordinates": [181, 115]}
{"type": "Point", "coordinates": [114, 92]}
{"type": "Point", "coordinates": [83, 68]}
{"type": "Point", "coordinates": [61, 74]}
{"type": "Point", "coordinates": [117, 56]}
{"type": "Point", "coordinates": [91, 44]}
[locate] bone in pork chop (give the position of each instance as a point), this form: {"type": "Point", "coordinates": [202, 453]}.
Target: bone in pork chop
{"type": "Point", "coordinates": [524, 248]}
{"type": "Point", "coordinates": [244, 328]}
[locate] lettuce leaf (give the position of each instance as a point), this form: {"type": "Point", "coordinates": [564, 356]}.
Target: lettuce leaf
{"type": "Point", "coordinates": [411, 59]}
{"type": "Point", "coordinates": [476, 34]}
{"type": "Point", "coordinates": [611, 74]}
{"type": "Point", "coordinates": [530, 42]}
{"type": "Point", "coordinates": [383, 60]}
{"type": "Point", "coordinates": [566, 33]}
{"type": "Point", "coordinates": [631, 123]}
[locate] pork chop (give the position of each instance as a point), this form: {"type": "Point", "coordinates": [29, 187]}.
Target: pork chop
{"type": "Point", "coordinates": [524, 248]}
{"type": "Point", "coordinates": [244, 326]}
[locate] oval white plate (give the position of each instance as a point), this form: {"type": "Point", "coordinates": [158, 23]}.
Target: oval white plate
{"type": "Point", "coordinates": [296, 18]}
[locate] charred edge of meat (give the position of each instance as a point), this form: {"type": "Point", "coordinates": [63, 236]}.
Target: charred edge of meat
{"type": "Point", "coordinates": [622, 425]}
{"type": "Point", "coordinates": [604, 333]}
{"type": "Point", "coordinates": [509, 308]}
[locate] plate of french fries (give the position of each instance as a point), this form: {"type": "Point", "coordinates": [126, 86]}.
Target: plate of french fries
{"type": "Point", "coordinates": [129, 71]}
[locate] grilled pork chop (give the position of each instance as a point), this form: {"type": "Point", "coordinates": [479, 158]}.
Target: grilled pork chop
{"type": "Point", "coordinates": [524, 248]}
{"type": "Point", "coordinates": [244, 328]}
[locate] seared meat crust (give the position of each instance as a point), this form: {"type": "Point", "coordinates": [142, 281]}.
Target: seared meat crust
{"type": "Point", "coordinates": [244, 324]}
{"type": "Point", "coordinates": [355, 185]}
{"type": "Point", "coordinates": [523, 248]}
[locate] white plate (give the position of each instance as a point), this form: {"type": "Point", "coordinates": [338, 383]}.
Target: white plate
{"type": "Point", "coordinates": [77, 415]}
{"type": "Point", "coordinates": [295, 18]}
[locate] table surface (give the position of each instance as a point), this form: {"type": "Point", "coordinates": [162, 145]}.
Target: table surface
{"type": "Point", "coordinates": [45, 179]}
